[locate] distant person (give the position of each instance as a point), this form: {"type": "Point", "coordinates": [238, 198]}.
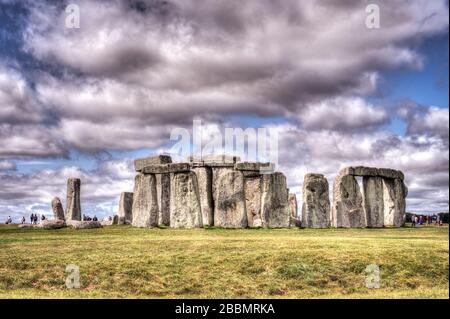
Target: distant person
{"type": "Point", "coordinates": [35, 219]}
{"type": "Point", "coordinates": [427, 220]}
{"type": "Point", "coordinates": [23, 220]}
{"type": "Point", "coordinates": [43, 217]}
{"type": "Point", "coordinates": [109, 218]}
{"type": "Point", "coordinates": [421, 220]}
{"type": "Point", "coordinates": [416, 220]}
{"type": "Point", "coordinates": [31, 218]}
{"type": "Point", "coordinates": [95, 218]}
{"type": "Point", "coordinates": [413, 221]}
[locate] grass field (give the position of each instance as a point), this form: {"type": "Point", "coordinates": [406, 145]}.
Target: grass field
{"type": "Point", "coordinates": [126, 262]}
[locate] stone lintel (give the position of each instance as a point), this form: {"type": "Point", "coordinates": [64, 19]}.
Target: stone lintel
{"type": "Point", "coordinates": [254, 166]}
{"type": "Point", "coordinates": [140, 163]}
{"type": "Point", "coordinates": [372, 171]}
{"type": "Point", "coordinates": [166, 168]}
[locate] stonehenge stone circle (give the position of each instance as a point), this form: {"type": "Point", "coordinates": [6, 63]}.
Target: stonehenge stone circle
{"type": "Point", "coordinates": [315, 201]}
{"type": "Point", "coordinates": [381, 202]}
{"type": "Point", "coordinates": [125, 215]}
{"type": "Point", "coordinates": [73, 206]}
{"type": "Point", "coordinates": [57, 208]}
{"type": "Point", "coordinates": [222, 191]}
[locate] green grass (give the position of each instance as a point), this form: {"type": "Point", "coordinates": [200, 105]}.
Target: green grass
{"type": "Point", "coordinates": [126, 262]}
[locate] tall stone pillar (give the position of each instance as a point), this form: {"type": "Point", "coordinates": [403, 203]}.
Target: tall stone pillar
{"type": "Point", "coordinates": [125, 214]}
{"type": "Point", "coordinates": [185, 208]}
{"type": "Point", "coordinates": [373, 201]}
{"type": "Point", "coordinates": [347, 210]}
{"type": "Point", "coordinates": [274, 201]}
{"type": "Point", "coordinates": [204, 179]}
{"type": "Point", "coordinates": [316, 201]}
{"type": "Point", "coordinates": [73, 206]}
{"type": "Point", "coordinates": [145, 203]}
{"type": "Point", "coordinates": [57, 208]}
{"type": "Point", "coordinates": [394, 194]}
{"type": "Point", "coordinates": [252, 191]}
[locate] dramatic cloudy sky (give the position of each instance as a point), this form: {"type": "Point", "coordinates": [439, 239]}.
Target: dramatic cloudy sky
{"type": "Point", "coordinates": [85, 102]}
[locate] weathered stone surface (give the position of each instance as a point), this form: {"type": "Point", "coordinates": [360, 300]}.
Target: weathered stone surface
{"type": "Point", "coordinates": [347, 210]}
{"type": "Point", "coordinates": [185, 208]}
{"type": "Point", "coordinates": [115, 220]}
{"type": "Point", "coordinates": [57, 208]}
{"type": "Point", "coordinates": [229, 199]}
{"type": "Point", "coordinates": [253, 166]}
{"type": "Point", "coordinates": [52, 224]}
{"type": "Point", "coordinates": [204, 179]}
{"type": "Point", "coordinates": [231, 159]}
{"type": "Point", "coordinates": [316, 201]}
{"type": "Point", "coordinates": [274, 201]}
{"type": "Point", "coordinates": [252, 189]}
{"type": "Point", "coordinates": [166, 168]}
{"type": "Point", "coordinates": [163, 196]}
{"type": "Point", "coordinates": [373, 201]}
{"type": "Point", "coordinates": [84, 224]}
{"type": "Point", "coordinates": [73, 206]}
{"type": "Point", "coordinates": [371, 171]}
{"type": "Point", "coordinates": [394, 194]}
{"type": "Point", "coordinates": [293, 205]}
{"type": "Point", "coordinates": [145, 203]}
{"type": "Point", "coordinates": [140, 163]}
{"type": "Point", "coordinates": [125, 214]}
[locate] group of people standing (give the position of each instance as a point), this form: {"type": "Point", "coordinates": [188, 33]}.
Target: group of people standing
{"type": "Point", "coordinates": [34, 218]}
{"type": "Point", "coordinates": [428, 220]}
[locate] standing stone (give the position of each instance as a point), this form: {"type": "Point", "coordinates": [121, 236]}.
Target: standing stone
{"type": "Point", "coordinates": [58, 211]}
{"type": "Point", "coordinates": [347, 210]}
{"type": "Point", "coordinates": [394, 193]}
{"type": "Point", "coordinates": [373, 201]}
{"type": "Point", "coordinates": [125, 213]}
{"type": "Point", "coordinates": [293, 205]}
{"type": "Point", "coordinates": [253, 200]}
{"type": "Point", "coordinates": [316, 202]}
{"type": "Point", "coordinates": [229, 199]}
{"type": "Point", "coordinates": [274, 201]}
{"type": "Point", "coordinates": [204, 179]}
{"type": "Point", "coordinates": [145, 204]}
{"type": "Point", "coordinates": [115, 220]}
{"type": "Point", "coordinates": [73, 208]}
{"type": "Point", "coordinates": [185, 208]}
{"type": "Point", "coordinates": [163, 195]}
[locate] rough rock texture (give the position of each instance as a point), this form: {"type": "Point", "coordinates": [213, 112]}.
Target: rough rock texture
{"type": "Point", "coordinates": [163, 196]}
{"type": "Point", "coordinates": [252, 190]}
{"type": "Point", "coordinates": [231, 159]}
{"type": "Point", "coordinates": [166, 168]}
{"type": "Point", "coordinates": [73, 208]}
{"type": "Point", "coordinates": [204, 179]}
{"type": "Point", "coordinates": [145, 203]}
{"type": "Point", "coordinates": [274, 201]}
{"type": "Point", "coordinates": [394, 194]}
{"type": "Point", "coordinates": [253, 166]}
{"type": "Point", "coordinates": [347, 210]}
{"type": "Point", "coordinates": [57, 208]}
{"type": "Point", "coordinates": [185, 209]}
{"type": "Point", "coordinates": [371, 171]}
{"type": "Point", "coordinates": [316, 202]}
{"type": "Point", "coordinates": [52, 224]}
{"type": "Point", "coordinates": [373, 201]}
{"type": "Point", "coordinates": [293, 205]}
{"type": "Point", "coordinates": [83, 224]}
{"type": "Point", "coordinates": [125, 213]}
{"type": "Point", "coordinates": [140, 163]}
{"type": "Point", "coordinates": [229, 199]}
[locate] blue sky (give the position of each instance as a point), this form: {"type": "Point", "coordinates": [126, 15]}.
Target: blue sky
{"type": "Point", "coordinates": [88, 101]}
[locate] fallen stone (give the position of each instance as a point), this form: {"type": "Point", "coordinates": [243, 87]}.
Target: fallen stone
{"type": "Point", "coordinates": [316, 202]}
{"type": "Point", "coordinates": [347, 210]}
{"type": "Point", "coordinates": [125, 213]}
{"type": "Point", "coordinates": [76, 224]}
{"type": "Point", "coordinates": [73, 208]}
{"type": "Point", "coordinates": [229, 199]}
{"type": "Point", "coordinates": [52, 224]}
{"type": "Point", "coordinates": [140, 163]}
{"type": "Point", "coordinates": [274, 201]}
{"type": "Point", "coordinates": [145, 203]}
{"type": "Point", "coordinates": [57, 208]}
{"type": "Point", "coordinates": [163, 196]}
{"type": "Point", "coordinates": [166, 168]}
{"type": "Point", "coordinates": [252, 189]}
{"type": "Point", "coordinates": [25, 226]}
{"type": "Point", "coordinates": [185, 209]}
{"type": "Point", "coordinates": [204, 179]}
{"type": "Point", "coordinates": [373, 201]}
